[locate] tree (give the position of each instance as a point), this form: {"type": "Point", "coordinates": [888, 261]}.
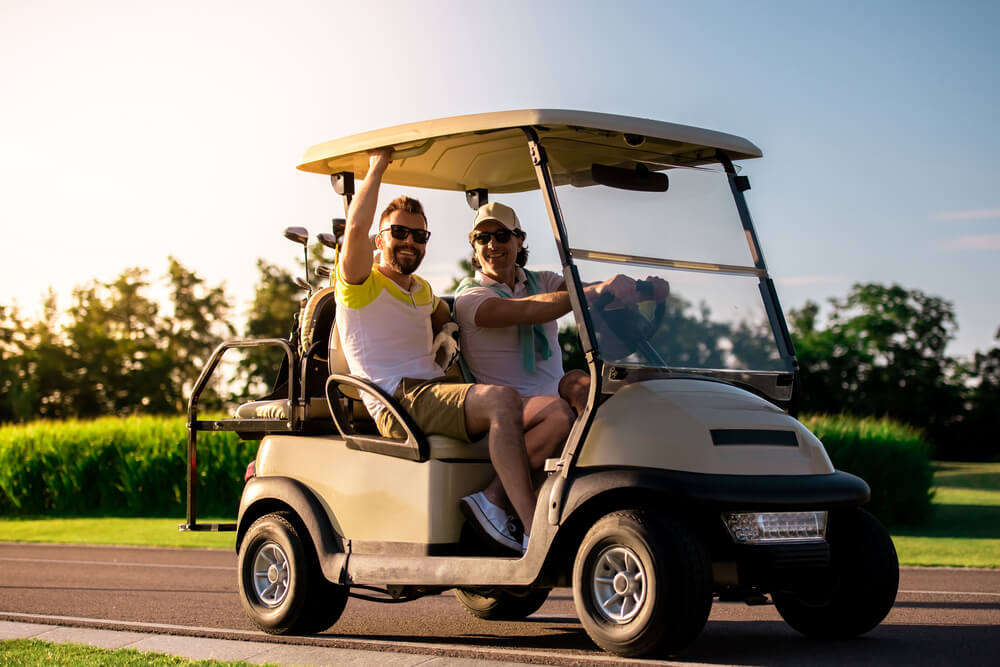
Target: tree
{"type": "Point", "coordinates": [828, 362]}
{"type": "Point", "coordinates": [883, 353]}
{"type": "Point", "coordinates": [976, 437]}
{"type": "Point", "coordinates": [196, 328]}
{"type": "Point", "coordinates": [690, 335]}
{"type": "Point", "coordinates": [986, 368]}
{"type": "Point", "coordinates": [18, 394]}
{"type": "Point", "coordinates": [39, 366]}
{"type": "Point", "coordinates": [112, 342]}
{"type": "Point", "coordinates": [272, 314]}
{"type": "Point", "coordinates": [9, 353]}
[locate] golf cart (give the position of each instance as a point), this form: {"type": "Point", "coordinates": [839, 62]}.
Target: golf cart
{"type": "Point", "coordinates": [686, 477]}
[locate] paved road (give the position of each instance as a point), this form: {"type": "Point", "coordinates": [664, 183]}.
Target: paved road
{"type": "Point", "coordinates": [941, 615]}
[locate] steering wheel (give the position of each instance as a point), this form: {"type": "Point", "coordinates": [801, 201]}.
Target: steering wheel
{"type": "Point", "coordinates": [632, 329]}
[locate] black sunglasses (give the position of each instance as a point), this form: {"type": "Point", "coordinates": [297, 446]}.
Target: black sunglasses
{"type": "Point", "coordinates": [400, 232]}
{"type": "Point", "coordinates": [501, 235]}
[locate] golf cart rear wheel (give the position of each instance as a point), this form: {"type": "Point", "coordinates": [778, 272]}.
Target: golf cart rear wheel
{"type": "Point", "coordinates": [282, 588]}
{"type": "Point", "coordinates": [862, 582]}
{"type": "Point", "coordinates": [642, 584]}
{"type": "Point", "coordinates": [502, 605]}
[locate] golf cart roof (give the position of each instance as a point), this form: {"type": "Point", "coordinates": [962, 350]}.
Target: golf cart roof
{"type": "Point", "coordinates": [489, 150]}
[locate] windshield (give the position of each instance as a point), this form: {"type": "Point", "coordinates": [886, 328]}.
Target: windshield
{"type": "Point", "coordinates": [691, 236]}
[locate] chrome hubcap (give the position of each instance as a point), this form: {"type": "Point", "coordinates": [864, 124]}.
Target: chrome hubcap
{"type": "Point", "coordinates": [271, 576]}
{"type": "Point", "coordinates": [619, 584]}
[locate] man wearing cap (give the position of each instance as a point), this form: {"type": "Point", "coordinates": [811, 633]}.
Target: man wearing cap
{"type": "Point", "coordinates": [387, 317]}
{"type": "Point", "coordinates": [507, 315]}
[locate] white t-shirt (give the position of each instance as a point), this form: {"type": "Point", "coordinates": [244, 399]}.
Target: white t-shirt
{"type": "Point", "coordinates": [494, 353]}
{"type": "Point", "coordinates": [385, 332]}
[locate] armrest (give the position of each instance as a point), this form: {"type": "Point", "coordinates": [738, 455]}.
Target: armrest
{"type": "Point", "coordinates": [415, 447]}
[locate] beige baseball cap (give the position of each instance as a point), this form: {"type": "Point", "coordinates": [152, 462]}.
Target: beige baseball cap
{"type": "Point", "coordinates": [496, 211]}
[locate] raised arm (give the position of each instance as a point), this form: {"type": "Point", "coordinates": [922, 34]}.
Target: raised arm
{"type": "Point", "coordinates": [356, 253]}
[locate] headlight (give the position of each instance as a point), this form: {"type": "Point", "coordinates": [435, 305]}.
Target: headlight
{"type": "Point", "coordinates": [769, 527]}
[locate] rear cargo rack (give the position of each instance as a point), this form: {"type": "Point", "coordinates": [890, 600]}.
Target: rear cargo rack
{"type": "Point", "coordinates": [245, 427]}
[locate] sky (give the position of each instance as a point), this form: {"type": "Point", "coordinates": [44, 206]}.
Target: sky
{"type": "Point", "coordinates": [131, 130]}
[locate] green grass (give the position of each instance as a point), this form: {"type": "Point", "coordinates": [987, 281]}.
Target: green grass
{"type": "Point", "coordinates": [34, 652]}
{"type": "Point", "coordinates": [964, 528]}
{"type": "Point", "coordinates": [120, 531]}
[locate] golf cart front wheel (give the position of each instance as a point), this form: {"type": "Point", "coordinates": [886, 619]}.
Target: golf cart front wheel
{"type": "Point", "coordinates": [502, 605]}
{"type": "Point", "coordinates": [860, 585]}
{"type": "Point", "coordinates": [281, 585]}
{"type": "Point", "coordinates": [642, 584]}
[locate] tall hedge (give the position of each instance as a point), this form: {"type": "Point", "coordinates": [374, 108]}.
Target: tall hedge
{"type": "Point", "coordinates": [125, 467]}
{"type": "Point", "coordinates": [136, 467]}
{"type": "Point", "coordinates": [893, 458]}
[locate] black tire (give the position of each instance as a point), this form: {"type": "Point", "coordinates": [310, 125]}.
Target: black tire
{"type": "Point", "coordinates": [281, 585]}
{"type": "Point", "coordinates": [659, 570]}
{"type": "Point", "coordinates": [502, 605]}
{"type": "Point", "coordinates": [862, 585]}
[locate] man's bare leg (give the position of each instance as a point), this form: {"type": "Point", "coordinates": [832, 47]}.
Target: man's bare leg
{"type": "Point", "coordinates": [498, 412]}
{"type": "Point", "coordinates": [547, 422]}
{"type": "Point", "coordinates": [574, 387]}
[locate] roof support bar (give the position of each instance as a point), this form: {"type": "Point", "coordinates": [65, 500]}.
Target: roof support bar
{"type": "Point", "coordinates": [571, 450]}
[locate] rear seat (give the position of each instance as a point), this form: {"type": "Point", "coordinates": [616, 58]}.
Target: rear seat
{"type": "Point", "coordinates": [319, 324]}
{"type": "Point", "coordinates": [441, 447]}
{"type": "Point", "coordinates": [277, 408]}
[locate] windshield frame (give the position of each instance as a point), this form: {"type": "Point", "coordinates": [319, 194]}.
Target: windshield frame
{"type": "Point", "coordinates": [776, 386]}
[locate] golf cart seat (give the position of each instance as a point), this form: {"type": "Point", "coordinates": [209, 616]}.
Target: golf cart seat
{"type": "Point", "coordinates": [359, 431]}
{"type": "Point", "coordinates": [314, 332]}
{"type": "Point", "coordinates": [277, 408]}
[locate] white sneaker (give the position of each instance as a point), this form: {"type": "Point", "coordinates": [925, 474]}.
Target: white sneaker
{"type": "Point", "coordinates": [489, 520]}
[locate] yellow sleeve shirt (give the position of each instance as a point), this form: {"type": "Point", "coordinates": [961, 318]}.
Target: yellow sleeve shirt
{"type": "Point", "coordinates": [385, 331]}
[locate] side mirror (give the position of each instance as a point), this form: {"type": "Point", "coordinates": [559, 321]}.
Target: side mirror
{"type": "Point", "coordinates": [297, 234]}
{"type": "Point", "coordinates": [640, 179]}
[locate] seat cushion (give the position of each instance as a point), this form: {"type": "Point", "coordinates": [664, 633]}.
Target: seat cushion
{"type": "Point", "coordinates": [278, 409]}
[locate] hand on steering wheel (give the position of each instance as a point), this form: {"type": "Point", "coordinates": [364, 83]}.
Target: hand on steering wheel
{"type": "Point", "coordinates": [619, 290]}
{"type": "Point", "coordinates": [626, 322]}
{"type": "Point", "coordinates": [653, 288]}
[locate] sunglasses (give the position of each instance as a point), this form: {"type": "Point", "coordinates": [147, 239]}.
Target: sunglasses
{"type": "Point", "coordinates": [501, 235]}
{"type": "Point", "coordinates": [400, 232]}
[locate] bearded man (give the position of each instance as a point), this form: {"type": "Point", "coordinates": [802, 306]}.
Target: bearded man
{"type": "Point", "coordinates": [387, 318]}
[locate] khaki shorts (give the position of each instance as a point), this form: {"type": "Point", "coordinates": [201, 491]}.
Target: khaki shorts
{"type": "Point", "coordinates": [437, 406]}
